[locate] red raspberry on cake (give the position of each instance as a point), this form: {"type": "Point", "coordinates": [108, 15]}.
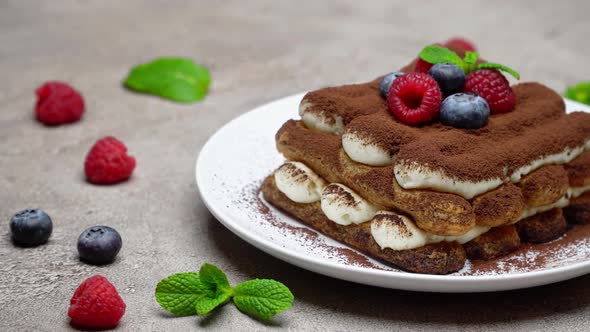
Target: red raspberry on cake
{"type": "Point", "coordinates": [423, 66]}
{"type": "Point", "coordinates": [108, 162]}
{"type": "Point", "coordinates": [96, 304]}
{"type": "Point", "coordinates": [414, 98]}
{"type": "Point", "coordinates": [492, 86]}
{"type": "Point", "coordinates": [462, 43]}
{"type": "Point", "coordinates": [58, 103]}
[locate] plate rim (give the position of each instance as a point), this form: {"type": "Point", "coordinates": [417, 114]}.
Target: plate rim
{"type": "Point", "coordinates": [572, 270]}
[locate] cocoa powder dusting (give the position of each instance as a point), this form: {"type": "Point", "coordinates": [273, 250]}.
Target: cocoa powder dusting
{"type": "Point", "coordinates": [347, 101]}
{"type": "Point", "coordinates": [537, 127]}
{"type": "Point", "coordinates": [578, 170]}
{"type": "Point", "coordinates": [252, 197]}
{"type": "Point", "coordinates": [571, 248]}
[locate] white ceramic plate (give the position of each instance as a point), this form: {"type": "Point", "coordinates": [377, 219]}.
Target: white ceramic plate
{"type": "Point", "coordinates": [236, 159]}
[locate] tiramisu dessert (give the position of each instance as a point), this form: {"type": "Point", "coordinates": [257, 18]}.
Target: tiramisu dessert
{"type": "Point", "coordinates": [438, 163]}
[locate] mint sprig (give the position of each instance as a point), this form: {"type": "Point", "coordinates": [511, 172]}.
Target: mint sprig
{"type": "Point", "coordinates": [491, 65]}
{"type": "Point", "coordinates": [179, 292]}
{"type": "Point", "coordinates": [200, 293]}
{"type": "Point", "coordinates": [177, 79]}
{"type": "Point", "coordinates": [263, 298]}
{"type": "Point", "coordinates": [437, 54]}
{"type": "Point", "coordinates": [217, 289]}
{"type": "Point", "coordinates": [580, 92]}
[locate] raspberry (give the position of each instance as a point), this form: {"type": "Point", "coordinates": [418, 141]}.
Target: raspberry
{"type": "Point", "coordinates": [108, 162]}
{"type": "Point", "coordinates": [462, 43]}
{"type": "Point", "coordinates": [58, 103]}
{"type": "Point", "coordinates": [422, 66]}
{"type": "Point", "coordinates": [492, 86]}
{"type": "Point", "coordinates": [96, 304]}
{"type": "Point", "coordinates": [414, 98]}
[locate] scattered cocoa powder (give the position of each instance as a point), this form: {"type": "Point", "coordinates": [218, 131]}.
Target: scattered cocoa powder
{"type": "Point", "coordinates": [252, 197]}
{"type": "Point", "coordinates": [571, 248]}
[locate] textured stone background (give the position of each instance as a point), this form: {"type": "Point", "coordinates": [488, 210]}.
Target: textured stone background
{"type": "Point", "coordinates": [257, 51]}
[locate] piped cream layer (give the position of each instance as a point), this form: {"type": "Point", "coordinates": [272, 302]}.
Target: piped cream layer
{"type": "Point", "coordinates": [319, 121]}
{"type": "Point", "coordinates": [344, 206]}
{"type": "Point", "coordinates": [411, 175]}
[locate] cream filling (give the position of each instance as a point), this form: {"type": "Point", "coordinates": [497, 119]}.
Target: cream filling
{"type": "Point", "coordinates": [299, 182]}
{"type": "Point", "coordinates": [566, 156]}
{"type": "Point", "coordinates": [574, 192]}
{"type": "Point", "coordinates": [344, 207]}
{"type": "Point", "coordinates": [411, 175]}
{"type": "Point", "coordinates": [414, 176]}
{"type": "Point", "coordinates": [560, 203]}
{"type": "Point", "coordinates": [397, 232]}
{"type": "Point", "coordinates": [364, 151]}
{"type": "Point", "coordinates": [319, 121]}
{"type": "Point", "coordinates": [564, 201]}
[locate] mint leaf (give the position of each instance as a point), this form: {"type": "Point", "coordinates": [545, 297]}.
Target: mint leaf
{"type": "Point", "coordinates": [217, 288]}
{"type": "Point", "coordinates": [179, 293]}
{"type": "Point", "coordinates": [214, 280]}
{"type": "Point", "coordinates": [470, 57]}
{"type": "Point", "coordinates": [262, 298]}
{"type": "Point", "coordinates": [205, 304]}
{"type": "Point", "coordinates": [176, 79]}
{"type": "Point", "coordinates": [436, 54]}
{"type": "Point", "coordinates": [490, 65]}
{"type": "Point", "coordinates": [580, 92]}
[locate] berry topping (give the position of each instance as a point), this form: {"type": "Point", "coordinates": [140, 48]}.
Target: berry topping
{"type": "Point", "coordinates": [450, 78]}
{"type": "Point", "coordinates": [461, 43]}
{"type": "Point", "coordinates": [422, 66]}
{"type": "Point", "coordinates": [96, 304]}
{"type": "Point", "coordinates": [414, 98]}
{"type": "Point", "coordinates": [99, 245]}
{"type": "Point", "coordinates": [386, 82]}
{"type": "Point", "coordinates": [464, 110]}
{"type": "Point", "coordinates": [492, 86]}
{"type": "Point", "coordinates": [58, 103]}
{"type": "Point", "coordinates": [107, 162]}
{"type": "Point", "coordinates": [31, 227]}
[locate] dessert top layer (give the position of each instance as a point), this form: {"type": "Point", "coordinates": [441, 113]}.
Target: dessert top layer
{"type": "Point", "coordinates": [537, 132]}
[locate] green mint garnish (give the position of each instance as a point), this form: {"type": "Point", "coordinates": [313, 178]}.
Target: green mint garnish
{"type": "Point", "coordinates": [580, 92]}
{"type": "Point", "coordinates": [490, 65]}
{"type": "Point", "coordinates": [217, 289]}
{"type": "Point", "coordinates": [206, 304]}
{"type": "Point", "coordinates": [470, 57]}
{"type": "Point", "coordinates": [213, 279]}
{"type": "Point", "coordinates": [199, 293]}
{"type": "Point", "coordinates": [176, 79]}
{"type": "Point", "coordinates": [437, 54]}
{"type": "Point", "coordinates": [179, 292]}
{"type": "Point", "coordinates": [262, 298]}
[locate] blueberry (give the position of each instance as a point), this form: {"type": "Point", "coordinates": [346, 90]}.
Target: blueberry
{"type": "Point", "coordinates": [450, 78]}
{"type": "Point", "coordinates": [31, 227]}
{"type": "Point", "coordinates": [464, 110]}
{"type": "Point", "coordinates": [99, 245]}
{"type": "Point", "coordinates": [387, 81]}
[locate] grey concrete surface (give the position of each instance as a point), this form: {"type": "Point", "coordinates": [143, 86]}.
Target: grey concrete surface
{"type": "Point", "coordinates": [257, 51]}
